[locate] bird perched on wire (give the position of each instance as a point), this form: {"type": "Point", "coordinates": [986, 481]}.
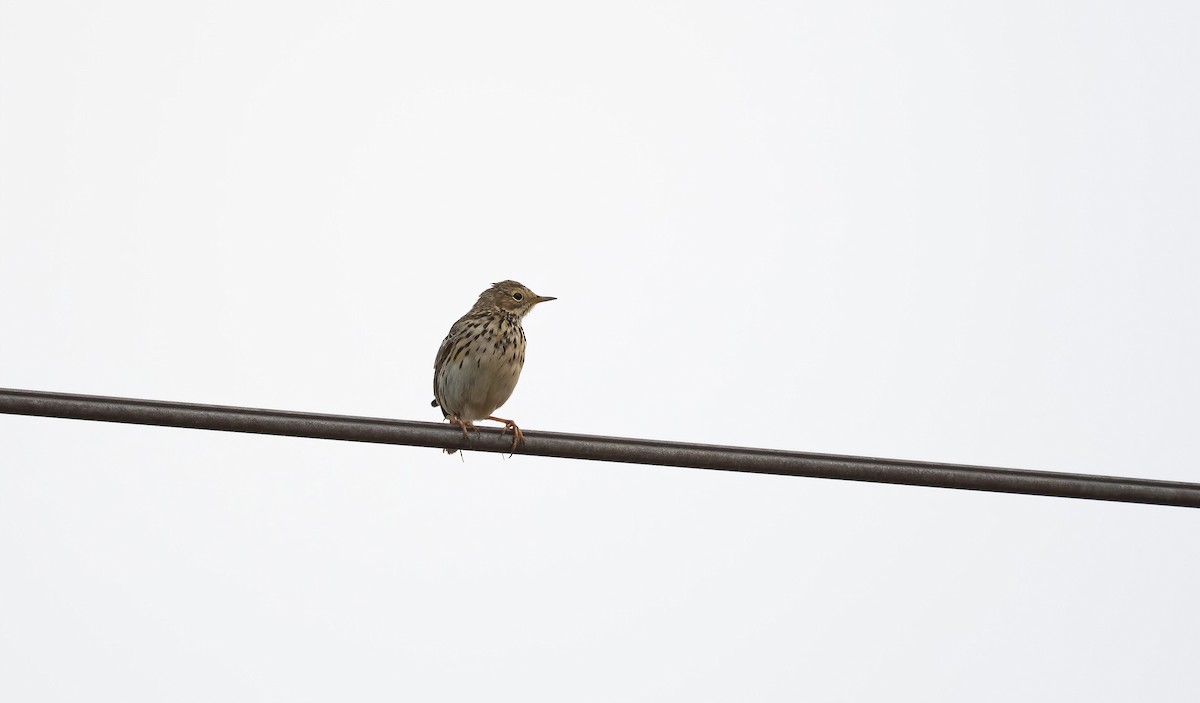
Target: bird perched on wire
{"type": "Point", "coordinates": [479, 362]}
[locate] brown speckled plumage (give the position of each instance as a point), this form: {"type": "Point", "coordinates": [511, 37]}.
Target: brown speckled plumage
{"type": "Point", "coordinates": [479, 362]}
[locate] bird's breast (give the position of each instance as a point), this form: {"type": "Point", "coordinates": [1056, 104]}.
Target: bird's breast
{"type": "Point", "coordinates": [482, 369]}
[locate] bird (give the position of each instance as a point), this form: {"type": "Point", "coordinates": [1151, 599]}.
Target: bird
{"type": "Point", "coordinates": [480, 360]}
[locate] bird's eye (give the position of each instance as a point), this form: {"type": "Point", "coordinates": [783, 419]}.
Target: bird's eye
{"type": "Point", "coordinates": [516, 296]}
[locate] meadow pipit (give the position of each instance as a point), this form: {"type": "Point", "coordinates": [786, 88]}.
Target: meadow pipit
{"type": "Point", "coordinates": [479, 362]}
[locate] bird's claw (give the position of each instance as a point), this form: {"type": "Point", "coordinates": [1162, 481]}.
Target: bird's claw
{"type": "Point", "coordinates": [518, 436]}
{"type": "Point", "coordinates": [462, 424]}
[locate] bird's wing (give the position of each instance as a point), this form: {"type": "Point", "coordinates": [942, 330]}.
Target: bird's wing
{"type": "Point", "coordinates": [457, 331]}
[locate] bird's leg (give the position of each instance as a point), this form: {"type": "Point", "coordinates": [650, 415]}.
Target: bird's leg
{"type": "Point", "coordinates": [518, 437]}
{"type": "Point", "coordinates": [463, 424]}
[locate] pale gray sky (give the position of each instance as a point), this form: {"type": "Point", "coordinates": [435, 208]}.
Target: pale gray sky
{"type": "Point", "coordinates": [921, 230]}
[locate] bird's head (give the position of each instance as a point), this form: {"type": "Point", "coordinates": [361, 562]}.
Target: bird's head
{"type": "Point", "coordinates": [510, 296]}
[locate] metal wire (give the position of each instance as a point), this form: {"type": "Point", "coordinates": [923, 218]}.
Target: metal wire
{"type": "Point", "coordinates": [574, 446]}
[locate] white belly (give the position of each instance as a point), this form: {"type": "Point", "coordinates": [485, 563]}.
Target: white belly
{"type": "Point", "coordinates": [475, 385]}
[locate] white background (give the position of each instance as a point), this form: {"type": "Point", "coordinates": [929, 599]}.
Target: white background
{"type": "Point", "coordinates": [941, 231]}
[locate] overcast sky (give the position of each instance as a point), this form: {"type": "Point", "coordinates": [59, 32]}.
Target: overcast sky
{"type": "Point", "coordinates": [959, 232]}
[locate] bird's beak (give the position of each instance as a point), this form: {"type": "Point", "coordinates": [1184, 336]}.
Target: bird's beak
{"type": "Point", "coordinates": [542, 299]}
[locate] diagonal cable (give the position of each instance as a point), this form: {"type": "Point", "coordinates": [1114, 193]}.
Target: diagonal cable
{"type": "Point", "coordinates": [576, 446]}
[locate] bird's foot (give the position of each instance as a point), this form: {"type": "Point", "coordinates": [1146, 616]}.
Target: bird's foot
{"type": "Point", "coordinates": [461, 424]}
{"type": "Point", "coordinates": [518, 436]}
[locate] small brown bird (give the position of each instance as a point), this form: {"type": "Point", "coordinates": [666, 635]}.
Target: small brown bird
{"type": "Point", "coordinates": [479, 362]}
